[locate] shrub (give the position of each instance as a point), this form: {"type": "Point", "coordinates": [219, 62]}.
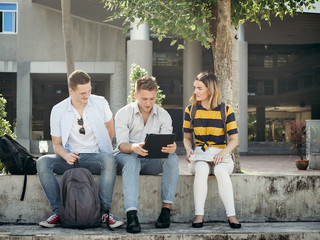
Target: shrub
{"type": "Point", "coordinates": [137, 72]}
{"type": "Point", "coordinates": [5, 126]}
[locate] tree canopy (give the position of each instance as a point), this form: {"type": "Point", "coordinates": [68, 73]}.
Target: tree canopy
{"type": "Point", "coordinates": [190, 20]}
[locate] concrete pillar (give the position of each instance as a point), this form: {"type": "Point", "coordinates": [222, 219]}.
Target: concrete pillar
{"type": "Point", "coordinates": [261, 124]}
{"type": "Point", "coordinates": [139, 50]}
{"type": "Point", "coordinates": [118, 97]}
{"type": "Point", "coordinates": [24, 104]}
{"type": "Point", "coordinates": [243, 91]}
{"type": "Point", "coordinates": [192, 65]}
{"type": "Point", "coordinates": [287, 131]}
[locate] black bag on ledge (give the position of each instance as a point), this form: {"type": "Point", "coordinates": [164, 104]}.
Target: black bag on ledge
{"type": "Point", "coordinates": [17, 160]}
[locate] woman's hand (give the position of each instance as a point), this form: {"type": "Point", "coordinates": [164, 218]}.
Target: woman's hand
{"type": "Point", "coordinates": [187, 142]}
{"type": "Point", "coordinates": [188, 155]}
{"type": "Point", "coordinates": [218, 158]}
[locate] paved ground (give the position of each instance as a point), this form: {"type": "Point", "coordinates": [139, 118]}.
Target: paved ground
{"type": "Point", "coordinates": [261, 164]}
{"type": "Point", "coordinates": [278, 230]}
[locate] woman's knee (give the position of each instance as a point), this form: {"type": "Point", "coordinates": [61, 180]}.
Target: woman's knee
{"type": "Point", "coordinates": [220, 170]}
{"type": "Point", "coordinates": [202, 168]}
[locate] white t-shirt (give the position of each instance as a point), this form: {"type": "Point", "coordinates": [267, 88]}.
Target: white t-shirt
{"type": "Point", "coordinates": [82, 143]}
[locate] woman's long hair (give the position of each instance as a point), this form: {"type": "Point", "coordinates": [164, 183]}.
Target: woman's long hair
{"type": "Point", "coordinates": [210, 80]}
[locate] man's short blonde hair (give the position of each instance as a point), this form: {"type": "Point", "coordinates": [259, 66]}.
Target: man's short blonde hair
{"type": "Point", "coordinates": [146, 83]}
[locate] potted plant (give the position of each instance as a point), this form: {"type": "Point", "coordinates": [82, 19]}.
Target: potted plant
{"type": "Point", "coordinates": [298, 140]}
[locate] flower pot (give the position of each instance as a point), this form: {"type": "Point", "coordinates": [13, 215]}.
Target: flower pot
{"type": "Point", "coordinates": [302, 164]}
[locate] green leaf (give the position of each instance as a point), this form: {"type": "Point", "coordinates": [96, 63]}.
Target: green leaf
{"type": "Point", "coordinates": [180, 46]}
{"type": "Point", "coordinates": [173, 42]}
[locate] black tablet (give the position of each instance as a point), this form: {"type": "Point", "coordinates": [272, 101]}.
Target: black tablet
{"type": "Point", "coordinates": [154, 143]}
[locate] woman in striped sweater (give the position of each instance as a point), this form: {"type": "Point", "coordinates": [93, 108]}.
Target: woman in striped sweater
{"type": "Point", "coordinates": [211, 153]}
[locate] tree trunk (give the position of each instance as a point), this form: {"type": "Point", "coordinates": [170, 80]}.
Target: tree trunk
{"type": "Point", "coordinates": [220, 29]}
{"type": "Point", "coordinates": [66, 29]}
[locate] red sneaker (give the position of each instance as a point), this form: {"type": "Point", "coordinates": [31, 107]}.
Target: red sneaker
{"type": "Point", "coordinates": [113, 223]}
{"type": "Point", "coordinates": [52, 221]}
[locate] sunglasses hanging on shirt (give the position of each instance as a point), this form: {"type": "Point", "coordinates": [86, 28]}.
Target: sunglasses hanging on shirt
{"type": "Point", "coordinates": [81, 130]}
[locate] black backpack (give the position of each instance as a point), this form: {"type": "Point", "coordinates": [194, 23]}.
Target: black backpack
{"type": "Point", "coordinates": [80, 203]}
{"type": "Point", "coordinates": [17, 160]}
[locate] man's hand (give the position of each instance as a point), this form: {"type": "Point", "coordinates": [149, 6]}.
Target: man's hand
{"type": "Point", "coordinates": [71, 157]}
{"type": "Point", "coordinates": [137, 148]}
{"type": "Point", "coordinates": [170, 148]}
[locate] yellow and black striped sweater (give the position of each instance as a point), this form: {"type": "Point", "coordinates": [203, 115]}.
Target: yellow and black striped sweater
{"type": "Point", "coordinates": [208, 126]}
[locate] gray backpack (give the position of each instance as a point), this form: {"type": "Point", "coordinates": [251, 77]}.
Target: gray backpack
{"type": "Point", "coordinates": [80, 203]}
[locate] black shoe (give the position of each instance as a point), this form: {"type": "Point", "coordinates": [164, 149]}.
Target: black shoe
{"type": "Point", "coordinates": [198, 225]}
{"type": "Point", "coordinates": [163, 219]}
{"type": "Point", "coordinates": [234, 225]}
{"type": "Point", "coordinates": [133, 225]}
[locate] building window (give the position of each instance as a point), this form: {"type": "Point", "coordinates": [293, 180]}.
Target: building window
{"type": "Point", "coordinates": [8, 17]}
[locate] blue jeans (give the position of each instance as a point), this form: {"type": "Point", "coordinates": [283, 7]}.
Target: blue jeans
{"type": "Point", "coordinates": [131, 167]}
{"type": "Point", "coordinates": [97, 163]}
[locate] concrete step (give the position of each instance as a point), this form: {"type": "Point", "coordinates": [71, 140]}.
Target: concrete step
{"type": "Point", "coordinates": [258, 198]}
{"type": "Point", "coordinates": [212, 230]}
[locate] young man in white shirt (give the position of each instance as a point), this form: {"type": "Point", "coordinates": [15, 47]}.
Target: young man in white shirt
{"type": "Point", "coordinates": [132, 123]}
{"type": "Point", "coordinates": [81, 129]}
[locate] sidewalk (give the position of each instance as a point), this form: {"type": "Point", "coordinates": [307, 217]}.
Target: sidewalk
{"type": "Point", "coordinates": [252, 164]}
{"type": "Point", "coordinates": [179, 231]}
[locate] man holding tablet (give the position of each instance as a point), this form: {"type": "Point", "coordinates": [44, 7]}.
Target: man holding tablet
{"type": "Point", "coordinates": [132, 123]}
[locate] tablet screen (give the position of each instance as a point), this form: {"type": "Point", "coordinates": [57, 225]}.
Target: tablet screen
{"type": "Point", "coordinates": [154, 143]}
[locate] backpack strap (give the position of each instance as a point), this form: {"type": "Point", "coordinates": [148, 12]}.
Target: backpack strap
{"type": "Point", "coordinates": [192, 116]}
{"type": "Point", "coordinates": [108, 224]}
{"type": "Point", "coordinates": [76, 164]}
{"type": "Point", "coordinates": [223, 118]}
{"type": "Point", "coordinates": [24, 187]}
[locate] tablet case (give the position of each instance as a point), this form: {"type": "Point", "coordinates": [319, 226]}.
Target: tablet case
{"type": "Point", "coordinates": [154, 143]}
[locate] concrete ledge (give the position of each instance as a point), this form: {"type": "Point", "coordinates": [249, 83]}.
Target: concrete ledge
{"type": "Point", "coordinates": [258, 198]}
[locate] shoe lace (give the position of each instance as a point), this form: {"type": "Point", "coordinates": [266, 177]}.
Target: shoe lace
{"type": "Point", "coordinates": [105, 218]}
{"type": "Point", "coordinates": [52, 218]}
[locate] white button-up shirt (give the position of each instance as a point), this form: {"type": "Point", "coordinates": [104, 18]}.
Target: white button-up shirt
{"type": "Point", "coordinates": [129, 124]}
{"type": "Point", "coordinates": [98, 113]}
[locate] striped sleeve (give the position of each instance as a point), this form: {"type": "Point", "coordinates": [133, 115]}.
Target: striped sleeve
{"type": "Point", "coordinates": [187, 118]}
{"type": "Point", "coordinates": [231, 123]}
